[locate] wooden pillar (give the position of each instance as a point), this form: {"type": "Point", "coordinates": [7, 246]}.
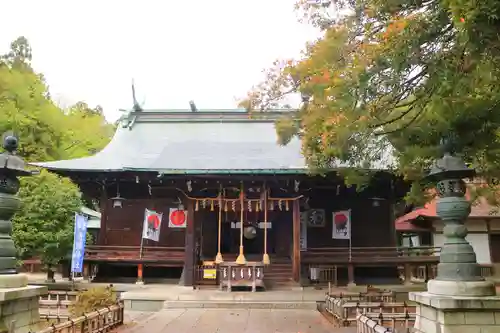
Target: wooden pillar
{"type": "Point", "coordinates": [189, 247]}
{"type": "Point", "coordinates": [407, 273]}
{"type": "Point", "coordinates": [426, 273]}
{"type": "Point", "coordinates": [488, 229]}
{"type": "Point", "coordinates": [86, 271]}
{"type": "Point", "coordinates": [101, 238]}
{"type": "Point", "coordinates": [350, 275]}
{"type": "Point", "coordinates": [296, 241]}
{"type": "Point", "coordinates": [140, 271]}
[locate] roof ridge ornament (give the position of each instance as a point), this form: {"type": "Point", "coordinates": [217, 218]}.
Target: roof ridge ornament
{"type": "Point", "coordinates": [135, 107]}
{"type": "Point", "coordinates": [128, 120]}
{"type": "Point", "coordinates": [192, 106]}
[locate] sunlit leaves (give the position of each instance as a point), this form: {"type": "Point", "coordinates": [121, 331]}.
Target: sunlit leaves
{"type": "Point", "coordinates": [43, 226]}
{"type": "Point", "coordinates": [410, 72]}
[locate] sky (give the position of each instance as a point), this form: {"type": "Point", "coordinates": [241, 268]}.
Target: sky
{"type": "Point", "coordinates": [211, 52]}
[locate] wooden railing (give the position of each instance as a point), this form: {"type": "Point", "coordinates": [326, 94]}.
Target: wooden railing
{"type": "Point", "coordinates": [385, 323]}
{"type": "Point", "coordinates": [249, 275]}
{"type": "Point", "coordinates": [421, 273]}
{"type": "Point", "coordinates": [157, 254]}
{"type": "Point", "coordinates": [370, 255]}
{"type": "Point", "coordinates": [369, 296]}
{"type": "Point", "coordinates": [346, 311]}
{"type": "Point", "coordinates": [104, 320]}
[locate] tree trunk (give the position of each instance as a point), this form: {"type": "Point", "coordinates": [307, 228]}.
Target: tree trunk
{"type": "Point", "coordinates": [50, 274]}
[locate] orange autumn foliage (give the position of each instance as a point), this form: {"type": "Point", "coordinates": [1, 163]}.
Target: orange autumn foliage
{"type": "Point", "coordinates": [394, 28]}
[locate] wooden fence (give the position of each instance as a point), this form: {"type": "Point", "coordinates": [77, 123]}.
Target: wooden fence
{"type": "Point", "coordinates": [386, 318]}
{"type": "Point", "coordinates": [99, 321]}
{"type": "Point", "coordinates": [388, 323]}
{"type": "Point", "coordinates": [347, 310]}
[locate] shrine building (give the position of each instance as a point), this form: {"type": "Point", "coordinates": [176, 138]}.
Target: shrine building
{"type": "Point", "coordinates": [226, 195]}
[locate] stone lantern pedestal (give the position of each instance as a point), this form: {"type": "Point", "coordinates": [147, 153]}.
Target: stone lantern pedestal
{"type": "Point", "coordinates": [18, 301]}
{"type": "Point", "coordinates": [456, 314]}
{"type": "Point", "coordinates": [459, 300]}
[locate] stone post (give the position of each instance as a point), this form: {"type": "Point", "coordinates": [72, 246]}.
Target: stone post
{"type": "Point", "coordinates": [18, 301]}
{"type": "Point", "coordinates": [459, 300]}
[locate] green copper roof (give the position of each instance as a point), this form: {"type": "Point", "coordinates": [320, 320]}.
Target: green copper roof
{"type": "Point", "coordinates": [182, 141]}
{"type": "Point", "coordinates": [200, 142]}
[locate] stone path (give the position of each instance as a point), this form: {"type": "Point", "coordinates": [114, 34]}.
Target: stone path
{"type": "Point", "coordinates": [233, 321]}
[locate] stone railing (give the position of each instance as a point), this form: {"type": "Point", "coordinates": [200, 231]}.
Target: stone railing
{"type": "Point", "coordinates": [54, 306]}
{"type": "Point", "coordinates": [104, 320]}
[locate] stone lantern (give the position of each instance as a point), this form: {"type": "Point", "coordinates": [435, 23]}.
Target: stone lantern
{"type": "Point", "coordinates": [11, 167]}
{"type": "Point", "coordinates": [458, 272]}
{"type": "Point", "coordinates": [18, 301]}
{"type": "Point", "coordinates": [459, 299]}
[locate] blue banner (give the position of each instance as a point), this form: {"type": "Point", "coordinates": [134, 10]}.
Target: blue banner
{"type": "Point", "coordinates": [79, 243]}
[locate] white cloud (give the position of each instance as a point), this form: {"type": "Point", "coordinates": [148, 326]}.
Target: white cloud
{"type": "Point", "coordinates": [208, 51]}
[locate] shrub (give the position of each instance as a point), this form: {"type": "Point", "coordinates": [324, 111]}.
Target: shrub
{"type": "Point", "coordinates": [93, 299]}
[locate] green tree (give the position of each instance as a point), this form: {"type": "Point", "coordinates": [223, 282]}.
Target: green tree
{"type": "Point", "coordinates": [44, 226]}
{"type": "Point", "coordinates": [26, 108]}
{"type": "Point", "coordinates": [401, 74]}
{"type": "Point", "coordinates": [20, 54]}
{"type": "Point", "coordinates": [86, 130]}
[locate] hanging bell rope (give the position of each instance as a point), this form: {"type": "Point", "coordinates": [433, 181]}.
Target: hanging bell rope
{"type": "Point", "coordinates": [196, 206]}
{"type": "Point", "coordinates": [211, 205]}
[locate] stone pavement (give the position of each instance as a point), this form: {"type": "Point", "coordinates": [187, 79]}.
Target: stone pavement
{"type": "Point", "coordinates": [233, 321]}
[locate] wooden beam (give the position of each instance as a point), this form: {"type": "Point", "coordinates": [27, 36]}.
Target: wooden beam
{"type": "Point", "coordinates": [188, 273]}
{"type": "Point", "coordinates": [296, 241]}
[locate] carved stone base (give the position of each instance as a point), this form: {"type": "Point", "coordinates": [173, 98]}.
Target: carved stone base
{"type": "Point", "coordinates": [461, 288]}
{"type": "Point", "coordinates": [19, 309]}
{"type": "Point", "coordinates": [13, 280]}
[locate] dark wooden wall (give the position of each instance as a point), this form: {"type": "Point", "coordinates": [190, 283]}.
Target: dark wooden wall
{"type": "Point", "coordinates": [371, 226]}
{"type": "Point", "coordinates": [123, 226]}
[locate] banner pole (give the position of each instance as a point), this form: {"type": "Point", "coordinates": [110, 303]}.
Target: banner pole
{"type": "Point", "coordinates": [142, 233]}
{"type": "Point", "coordinates": [349, 231]}
{"type": "Point", "coordinates": [140, 279]}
